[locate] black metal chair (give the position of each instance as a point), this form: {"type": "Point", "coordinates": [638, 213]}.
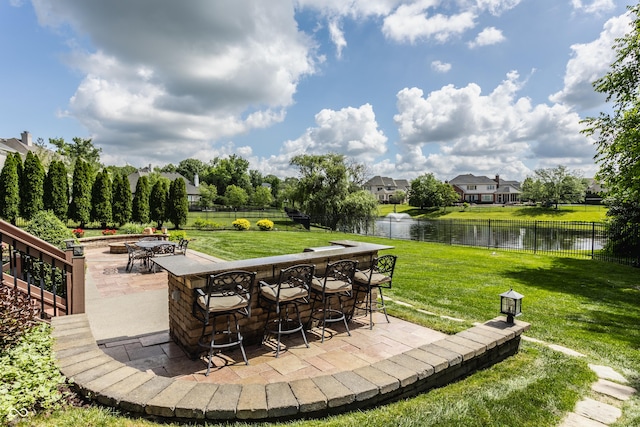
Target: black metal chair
{"type": "Point", "coordinates": [336, 284]}
{"type": "Point", "coordinates": [283, 297]}
{"type": "Point", "coordinates": [182, 247]}
{"type": "Point", "coordinates": [136, 254]}
{"type": "Point", "coordinates": [379, 276]}
{"type": "Point", "coordinates": [227, 294]}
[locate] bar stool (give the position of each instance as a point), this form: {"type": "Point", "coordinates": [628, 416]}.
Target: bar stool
{"type": "Point", "coordinates": [336, 283]}
{"type": "Point", "coordinates": [379, 276]}
{"type": "Point", "coordinates": [283, 297]}
{"type": "Point", "coordinates": [227, 294]}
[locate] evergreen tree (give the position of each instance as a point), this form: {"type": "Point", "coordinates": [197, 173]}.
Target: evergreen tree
{"type": "Point", "coordinates": [80, 207]}
{"type": "Point", "coordinates": [158, 201]}
{"type": "Point", "coordinates": [32, 188]}
{"type": "Point", "coordinates": [101, 199]}
{"type": "Point", "coordinates": [56, 190]}
{"type": "Point", "coordinates": [9, 190]}
{"type": "Point", "coordinates": [141, 201]}
{"type": "Point", "coordinates": [178, 203]}
{"type": "Point", "coordinates": [121, 207]}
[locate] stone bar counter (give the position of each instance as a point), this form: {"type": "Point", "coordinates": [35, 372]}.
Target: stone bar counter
{"type": "Point", "coordinates": [186, 274]}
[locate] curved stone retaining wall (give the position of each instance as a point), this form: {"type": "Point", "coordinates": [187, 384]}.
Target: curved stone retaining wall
{"type": "Point", "coordinates": [112, 383]}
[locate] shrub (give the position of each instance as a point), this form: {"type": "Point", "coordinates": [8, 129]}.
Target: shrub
{"type": "Point", "coordinates": [109, 232]}
{"type": "Point", "coordinates": [17, 314]}
{"type": "Point", "coordinates": [47, 226]}
{"type": "Point", "coordinates": [176, 235]}
{"type": "Point", "coordinates": [265, 225]}
{"type": "Point", "coordinates": [29, 378]}
{"type": "Point", "coordinates": [241, 224]}
{"type": "Point", "coordinates": [78, 232]}
{"type": "Point", "coordinates": [206, 224]}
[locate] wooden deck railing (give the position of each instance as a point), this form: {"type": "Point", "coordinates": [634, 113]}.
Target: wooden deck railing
{"type": "Point", "coordinates": [53, 278]}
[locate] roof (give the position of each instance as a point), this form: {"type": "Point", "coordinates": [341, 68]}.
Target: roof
{"type": "Point", "coordinates": [471, 179]}
{"type": "Point", "coordinates": [385, 181]}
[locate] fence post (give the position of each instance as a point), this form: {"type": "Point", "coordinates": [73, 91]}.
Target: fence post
{"type": "Point", "coordinates": [489, 236]}
{"type": "Point", "coordinates": [535, 236]}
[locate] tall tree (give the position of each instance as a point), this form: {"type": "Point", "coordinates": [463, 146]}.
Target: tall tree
{"type": "Point", "coordinates": [122, 204]}
{"type": "Point", "coordinates": [158, 201]}
{"type": "Point", "coordinates": [236, 196]}
{"type": "Point", "coordinates": [80, 149]}
{"type": "Point", "coordinates": [427, 191]}
{"type": "Point", "coordinates": [617, 135]}
{"type": "Point", "coordinates": [275, 183]}
{"type": "Point", "coordinates": [178, 203]}
{"type": "Point", "coordinates": [101, 199]}
{"type": "Point", "coordinates": [56, 190]}
{"type": "Point", "coordinates": [552, 186]}
{"type": "Point", "coordinates": [80, 207]}
{"type": "Point", "coordinates": [208, 194]}
{"type": "Point", "coordinates": [232, 170]}
{"type": "Point", "coordinates": [140, 206]}
{"type": "Point", "coordinates": [9, 190]}
{"type": "Point", "coordinates": [32, 188]}
{"type": "Point", "coordinates": [262, 197]}
{"type": "Point", "coordinates": [189, 168]}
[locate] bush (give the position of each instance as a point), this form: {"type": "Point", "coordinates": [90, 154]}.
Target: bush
{"type": "Point", "coordinates": [48, 227]}
{"type": "Point", "coordinates": [29, 378]}
{"type": "Point", "coordinates": [176, 235]}
{"type": "Point", "coordinates": [265, 225]}
{"type": "Point", "coordinates": [206, 224]}
{"type": "Point", "coordinates": [109, 232]}
{"type": "Point", "coordinates": [130, 228]}
{"type": "Point", "coordinates": [17, 314]}
{"type": "Point", "coordinates": [241, 224]}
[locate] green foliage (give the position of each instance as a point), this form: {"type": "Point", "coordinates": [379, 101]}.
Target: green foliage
{"type": "Point", "coordinates": [29, 378]}
{"type": "Point", "coordinates": [177, 235]}
{"type": "Point", "coordinates": [265, 225]}
{"type": "Point", "coordinates": [158, 201]}
{"type": "Point", "coordinates": [101, 199]}
{"type": "Point", "coordinates": [189, 168]}
{"type": "Point", "coordinates": [178, 204]}
{"type": "Point", "coordinates": [48, 227]}
{"type": "Point", "coordinates": [80, 149]}
{"type": "Point", "coordinates": [236, 196]}
{"type": "Point", "coordinates": [262, 197]}
{"type": "Point", "coordinates": [358, 210]}
{"type": "Point", "coordinates": [56, 190]}
{"type": "Point", "coordinates": [232, 170]}
{"type": "Point", "coordinates": [552, 186]}
{"type": "Point", "coordinates": [427, 191]}
{"type": "Point", "coordinates": [208, 194]}
{"type": "Point", "coordinates": [206, 224]}
{"type": "Point", "coordinates": [241, 224]}
{"type": "Point", "coordinates": [10, 190]}
{"type": "Point", "coordinates": [122, 203]}
{"type": "Point", "coordinates": [140, 205]}
{"type": "Point", "coordinates": [31, 187]}
{"type": "Point", "coordinates": [130, 228]}
{"type": "Point", "coordinates": [80, 207]}
{"type": "Point", "coordinates": [17, 315]}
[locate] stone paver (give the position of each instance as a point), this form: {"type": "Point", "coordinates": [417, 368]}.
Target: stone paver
{"type": "Point", "coordinates": [607, 373]}
{"type": "Point", "coordinates": [598, 411]}
{"type": "Point", "coordinates": [615, 390]}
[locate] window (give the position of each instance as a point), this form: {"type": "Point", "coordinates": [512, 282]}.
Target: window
{"type": "Point", "coordinates": [471, 187]}
{"type": "Point", "coordinates": [491, 187]}
{"type": "Point", "coordinates": [487, 198]}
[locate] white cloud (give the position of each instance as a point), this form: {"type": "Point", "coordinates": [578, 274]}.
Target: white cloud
{"type": "Point", "coordinates": [589, 62]}
{"type": "Point", "coordinates": [411, 23]}
{"type": "Point", "coordinates": [176, 79]}
{"type": "Point", "coordinates": [460, 130]}
{"type": "Point", "coordinates": [497, 7]}
{"type": "Point", "coordinates": [595, 6]}
{"type": "Point", "coordinates": [337, 36]}
{"type": "Point", "coordinates": [486, 37]}
{"type": "Point", "coordinates": [440, 67]}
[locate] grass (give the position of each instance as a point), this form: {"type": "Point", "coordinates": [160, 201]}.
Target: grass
{"type": "Point", "coordinates": [589, 306]}
{"type": "Point", "coordinates": [580, 213]}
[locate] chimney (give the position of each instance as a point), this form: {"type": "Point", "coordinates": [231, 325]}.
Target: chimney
{"type": "Point", "coordinates": [497, 180]}
{"type": "Point", "coordinates": [26, 138]}
{"type": "Point", "coordinates": [196, 180]}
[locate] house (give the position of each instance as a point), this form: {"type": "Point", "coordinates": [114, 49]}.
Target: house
{"type": "Point", "coordinates": [193, 190]}
{"type": "Point", "coordinates": [13, 145]}
{"type": "Point", "coordinates": [383, 188]}
{"type": "Point", "coordinates": [481, 189]}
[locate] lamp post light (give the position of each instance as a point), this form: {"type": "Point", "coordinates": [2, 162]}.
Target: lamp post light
{"type": "Point", "coordinates": [511, 304]}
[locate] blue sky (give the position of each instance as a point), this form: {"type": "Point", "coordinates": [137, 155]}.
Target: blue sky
{"type": "Point", "coordinates": [405, 86]}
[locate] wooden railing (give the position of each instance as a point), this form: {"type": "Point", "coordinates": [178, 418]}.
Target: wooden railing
{"type": "Point", "coordinates": [51, 277]}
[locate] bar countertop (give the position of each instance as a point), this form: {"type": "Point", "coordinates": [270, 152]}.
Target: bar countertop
{"type": "Point", "coordinates": [184, 266]}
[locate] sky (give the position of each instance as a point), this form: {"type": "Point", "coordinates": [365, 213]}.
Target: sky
{"type": "Point", "coordinates": [406, 87]}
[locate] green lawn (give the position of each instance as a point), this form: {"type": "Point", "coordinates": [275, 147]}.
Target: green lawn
{"type": "Point", "coordinates": [583, 213]}
{"type": "Point", "coordinates": [591, 307]}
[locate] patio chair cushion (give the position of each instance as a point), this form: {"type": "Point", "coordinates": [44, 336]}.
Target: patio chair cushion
{"type": "Point", "coordinates": [286, 293]}
{"type": "Point", "coordinates": [333, 285]}
{"type": "Point", "coordinates": [222, 303]}
{"type": "Point", "coordinates": [362, 277]}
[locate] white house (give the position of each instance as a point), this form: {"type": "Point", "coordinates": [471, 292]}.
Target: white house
{"type": "Point", "coordinates": [383, 187]}
{"type": "Point", "coordinates": [481, 189]}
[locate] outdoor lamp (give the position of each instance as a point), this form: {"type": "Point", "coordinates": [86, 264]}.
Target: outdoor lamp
{"type": "Point", "coordinates": [511, 304]}
{"type": "Point", "coordinates": [78, 250]}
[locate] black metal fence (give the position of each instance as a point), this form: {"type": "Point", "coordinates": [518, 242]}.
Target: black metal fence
{"type": "Point", "coordinates": [578, 239]}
